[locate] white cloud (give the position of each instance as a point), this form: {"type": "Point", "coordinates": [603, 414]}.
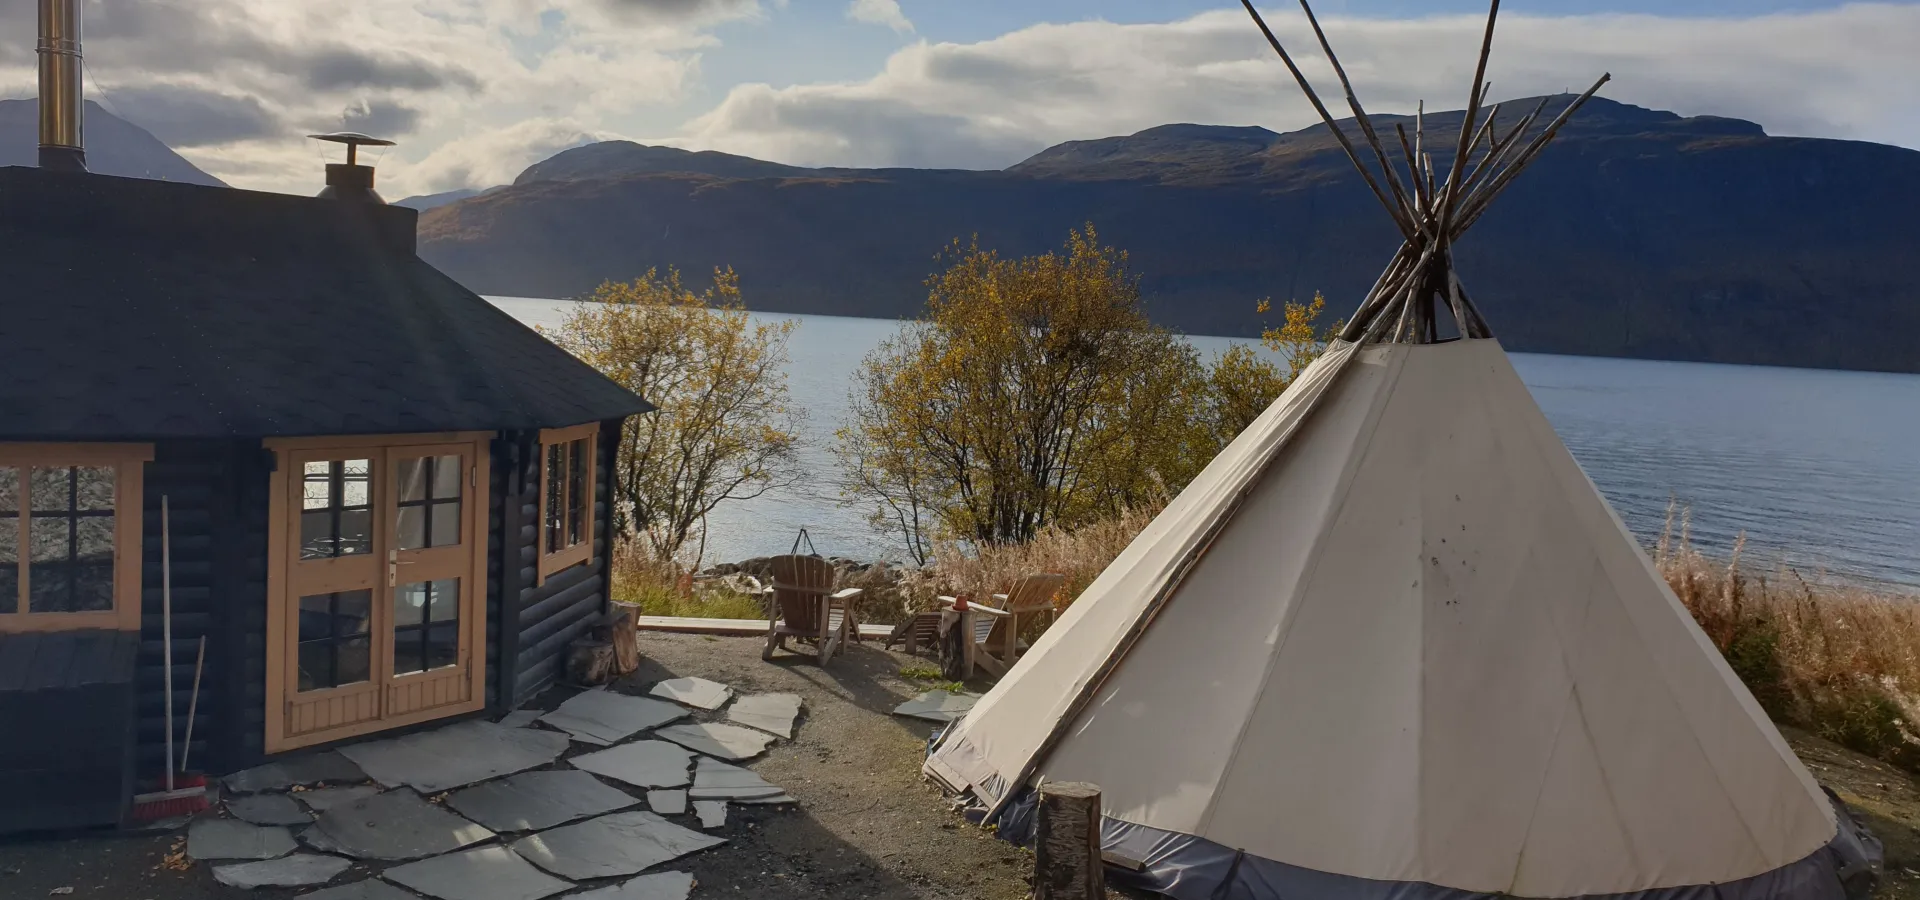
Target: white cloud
{"type": "Point", "coordinates": [880, 12]}
{"type": "Point", "coordinates": [1842, 73]}
{"type": "Point", "coordinates": [474, 90]}
{"type": "Point", "coordinates": [471, 89]}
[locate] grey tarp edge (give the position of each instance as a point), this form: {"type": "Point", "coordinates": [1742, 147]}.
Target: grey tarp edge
{"type": "Point", "coordinates": [1185, 867]}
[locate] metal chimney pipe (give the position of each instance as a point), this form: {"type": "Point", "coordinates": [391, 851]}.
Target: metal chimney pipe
{"type": "Point", "coordinates": [61, 146]}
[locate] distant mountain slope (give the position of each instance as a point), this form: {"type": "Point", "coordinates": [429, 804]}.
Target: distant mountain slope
{"type": "Point", "coordinates": [424, 202]}
{"type": "Point", "coordinates": [115, 146]}
{"type": "Point", "coordinates": [1639, 233]}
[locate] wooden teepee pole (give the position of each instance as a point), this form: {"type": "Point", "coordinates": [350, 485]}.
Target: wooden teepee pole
{"type": "Point", "coordinates": [1399, 214]}
{"type": "Point", "coordinates": [1366, 124]}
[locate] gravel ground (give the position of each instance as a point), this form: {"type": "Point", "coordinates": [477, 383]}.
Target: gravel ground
{"type": "Point", "coordinates": [867, 826]}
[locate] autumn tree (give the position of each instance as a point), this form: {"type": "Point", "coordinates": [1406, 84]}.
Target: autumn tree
{"type": "Point", "coordinates": [1243, 383]}
{"type": "Point", "coordinates": [724, 429]}
{"type": "Point", "coordinates": [1032, 391]}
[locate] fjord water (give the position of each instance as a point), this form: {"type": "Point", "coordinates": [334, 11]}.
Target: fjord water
{"type": "Point", "coordinates": [1821, 469]}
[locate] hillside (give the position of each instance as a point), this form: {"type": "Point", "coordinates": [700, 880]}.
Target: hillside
{"type": "Point", "coordinates": [114, 145]}
{"type": "Point", "coordinates": [1639, 233]}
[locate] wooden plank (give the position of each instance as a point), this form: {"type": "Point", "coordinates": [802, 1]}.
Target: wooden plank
{"type": "Point", "coordinates": [734, 627]}
{"type": "Point", "coordinates": [16, 659]}
{"type": "Point", "coordinates": [51, 663]}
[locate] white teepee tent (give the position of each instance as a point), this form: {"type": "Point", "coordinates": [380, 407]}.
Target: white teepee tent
{"type": "Point", "coordinates": [1393, 642]}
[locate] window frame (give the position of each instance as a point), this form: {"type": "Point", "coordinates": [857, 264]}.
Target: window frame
{"type": "Point", "coordinates": [552, 563]}
{"type": "Point", "coordinates": [129, 510]}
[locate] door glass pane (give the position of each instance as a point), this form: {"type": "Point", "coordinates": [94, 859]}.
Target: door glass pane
{"type": "Point", "coordinates": [443, 528]}
{"type": "Point", "coordinates": [426, 632]}
{"type": "Point", "coordinates": [9, 539]}
{"type": "Point", "coordinates": [334, 647]}
{"type": "Point", "coordinates": [446, 477]}
{"type": "Point", "coordinates": [410, 479]}
{"type": "Point", "coordinates": [577, 504]}
{"type": "Point", "coordinates": [336, 517]}
{"type": "Point", "coordinates": [429, 492]}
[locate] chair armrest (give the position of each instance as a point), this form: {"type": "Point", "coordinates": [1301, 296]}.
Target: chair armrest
{"type": "Point", "coordinates": [845, 593]}
{"type": "Point", "coordinates": [947, 601]}
{"type": "Point", "coordinates": [979, 607]}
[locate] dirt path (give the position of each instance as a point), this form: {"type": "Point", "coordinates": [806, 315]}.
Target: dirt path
{"type": "Point", "coordinates": [866, 825]}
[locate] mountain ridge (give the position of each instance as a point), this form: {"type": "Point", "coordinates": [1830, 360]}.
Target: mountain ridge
{"type": "Point", "coordinates": [1639, 233]}
{"type": "Point", "coordinates": [115, 146]}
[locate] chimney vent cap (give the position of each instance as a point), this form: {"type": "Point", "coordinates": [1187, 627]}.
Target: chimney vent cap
{"type": "Point", "coordinates": [352, 138]}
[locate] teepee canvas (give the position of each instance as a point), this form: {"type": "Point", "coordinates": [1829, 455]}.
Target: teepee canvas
{"type": "Point", "coordinates": [1393, 642]}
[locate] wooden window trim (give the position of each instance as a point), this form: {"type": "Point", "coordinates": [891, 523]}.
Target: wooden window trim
{"type": "Point", "coordinates": [129, 511]}
{"type": "Point", "coordinates": [552, 563]}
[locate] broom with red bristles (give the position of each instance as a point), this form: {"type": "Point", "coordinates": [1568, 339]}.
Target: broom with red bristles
{"type": "Point", "coordinates": [189, 794]}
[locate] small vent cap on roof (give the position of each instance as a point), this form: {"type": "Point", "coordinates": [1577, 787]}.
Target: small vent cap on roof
{"type": "Point", "coordinates": [351, 181]}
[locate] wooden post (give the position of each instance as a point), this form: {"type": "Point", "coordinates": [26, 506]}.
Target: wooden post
{"type": "Point", "coordinates": [625, 638]}
{"type": "Point", "coordinates": [1066, 843]}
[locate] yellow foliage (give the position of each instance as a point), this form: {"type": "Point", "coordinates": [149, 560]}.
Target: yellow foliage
{"type": "Point", "coordinates": [1032, 391]}
{"type": "Point", "coordinates": [724, 429]}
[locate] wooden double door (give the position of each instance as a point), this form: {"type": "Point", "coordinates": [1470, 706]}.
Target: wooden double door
{"type": "Point", "coordinates": [377, 585]}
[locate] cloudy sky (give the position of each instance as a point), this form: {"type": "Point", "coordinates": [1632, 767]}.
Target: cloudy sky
{"type": "Point", "coordinates": [475, 90]}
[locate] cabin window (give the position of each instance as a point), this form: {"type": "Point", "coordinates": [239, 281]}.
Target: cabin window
{"type": "Point", "coordinates": [70, 536]}
{"type": "Point", "coordinates": [566, 497]}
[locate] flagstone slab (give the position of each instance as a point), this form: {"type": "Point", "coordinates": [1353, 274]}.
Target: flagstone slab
{"type": "Point", "coordinates": [234, 839]}
{"type": "Point", "coordinates": [937, 706]}
{"type": "Point", "coordinates": [370, 889]}
{"type": "Point", "coordinates": [712, 813]}
{"type": "Point", "coordinates": [323, 799]}
{"type": "Point", "coordinates": [315, 768]}
{"type": "Point", "coordinates": [531, 801]}
{"type": "Point", "coordinates": [667, 803]}
{"type": "Point", "coordinates": [695, 692]}
{"type": "Point", "coordinates": [394, 826]}
{"type": "Point", "coordinates": [645, 764]}
{"type": "Point", "coordinates": [774, 713]}
{"type": "Point", "coordinates": [483, 873]}
{"type": "Point", "coordinates": [658, 886]}
{"type": "Point", "coordinates": [716, 739]}
{"type": "Point", "coordinates": [298, 870]}
{"type": "Point", "coordinates": [775, 800]}
{"type": "Point", "coordinates": [519, 718]}
{"type": "Point", "coordinates": [456, 756]}
{"type": "Point", "coordinates": [619, 844]}
{"type": "Point", "coordinates": [715, 780]}
{"type": "Point", "coordinates": [268, 809]}
{"type": "Point", "coordinates": [606, 717]}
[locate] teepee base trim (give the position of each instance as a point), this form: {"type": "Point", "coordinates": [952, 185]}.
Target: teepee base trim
{"type": "Point", "coordinates": [1185, 867]}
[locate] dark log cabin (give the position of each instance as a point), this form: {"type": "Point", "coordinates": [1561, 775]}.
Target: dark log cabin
{"type": "Point", "coordinates": [386, 501]}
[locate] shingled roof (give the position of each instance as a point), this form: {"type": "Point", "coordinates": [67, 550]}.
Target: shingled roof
{"type": "Point", "coordinates": [138, 309]}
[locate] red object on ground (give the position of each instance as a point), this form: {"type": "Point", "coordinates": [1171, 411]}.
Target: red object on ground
{"type": "Point", "coordinates": [162, 804]}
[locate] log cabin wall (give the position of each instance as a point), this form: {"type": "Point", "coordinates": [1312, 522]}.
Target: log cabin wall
{"type": "Point", "coordinates": [218, 561]}
{"type": "Point", "coordinates": [549, 616]}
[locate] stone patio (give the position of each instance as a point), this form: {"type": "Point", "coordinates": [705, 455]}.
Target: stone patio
{"type": "Point", "coordinates": [483, 810]}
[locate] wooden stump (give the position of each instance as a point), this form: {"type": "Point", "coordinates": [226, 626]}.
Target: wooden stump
{"type": "Point", "coordinates": [1066, 843]}
{"type": "Point", "coordinates": [625, 638]}
{"type": "Point", "coordinates": [956, 645]}
{"type": "Point", "coordinates": [590, 662]}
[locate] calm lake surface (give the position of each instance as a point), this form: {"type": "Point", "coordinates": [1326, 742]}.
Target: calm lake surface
{"type": "Point", "coordinates": [1820, 469]}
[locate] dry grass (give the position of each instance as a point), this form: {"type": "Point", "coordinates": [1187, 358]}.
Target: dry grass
{"type": "Point", "coordinates": [1840, 660]}
{"type": "Point", "coordinates": [662, 588]}
{"type": "Point", "coordinates": [1080, 555]}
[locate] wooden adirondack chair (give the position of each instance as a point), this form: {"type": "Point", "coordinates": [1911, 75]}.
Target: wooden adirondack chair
{"type": "Point", "coordinates": [802, 604]}
{"type": "Point", "coordinates": [996, 630]}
